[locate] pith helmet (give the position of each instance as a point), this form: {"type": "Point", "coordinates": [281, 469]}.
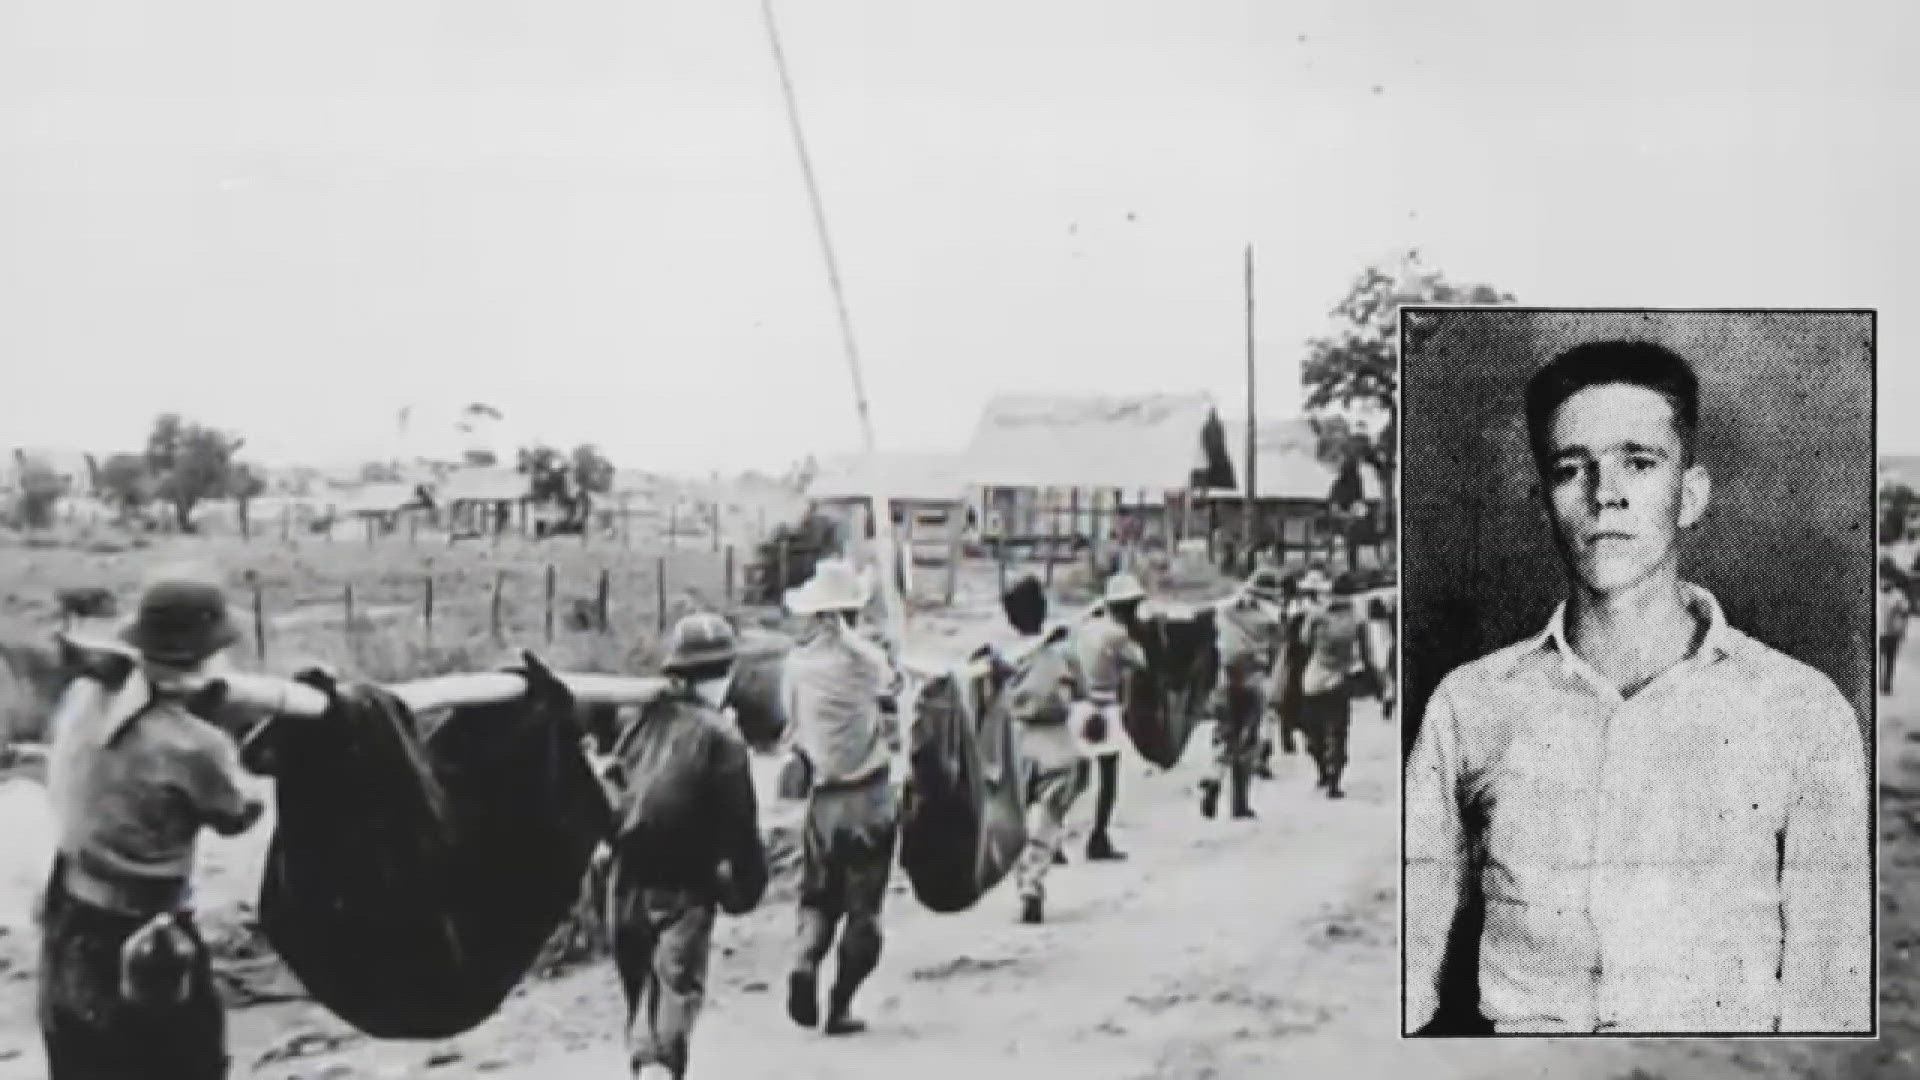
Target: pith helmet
{"type": "Point", "coordinates": [182, 619]}
{"type": "Point", "coordinates": [699, 640]}
{"type": "Point", "coordinates": [1123, 587]}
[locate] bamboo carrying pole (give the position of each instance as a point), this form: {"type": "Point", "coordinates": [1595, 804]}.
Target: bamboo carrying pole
{"type": "Point", "coordinates": [882, 506]}
{"type": "Point", "coordinates": [890, 599]}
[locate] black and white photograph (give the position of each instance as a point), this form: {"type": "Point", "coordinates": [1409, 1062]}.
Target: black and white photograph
{"type": "Point", "coordinates": [1638, 673]}
{"type": "Point", "coordinates": [850, 540]}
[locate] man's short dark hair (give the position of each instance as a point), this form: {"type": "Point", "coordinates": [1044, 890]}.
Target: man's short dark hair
{"type": "Point", "coordinates": [1601, 363]}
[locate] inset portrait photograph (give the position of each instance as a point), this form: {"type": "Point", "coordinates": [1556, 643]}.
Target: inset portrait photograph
{"type": "Point", "coordinates": [1638, 672]}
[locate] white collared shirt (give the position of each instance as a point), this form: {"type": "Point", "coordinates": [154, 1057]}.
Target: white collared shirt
{"type": "Point", "coordinates": [1694, 858]}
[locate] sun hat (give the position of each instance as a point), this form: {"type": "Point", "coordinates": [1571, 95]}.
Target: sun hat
{"type": "Point", "coordinates": [834, 586]}
{"type": "Point", "coordinates": [1123, 587]}
{"type": "Point", "coordinates": [182, 618]}
{"type": "Point", "coordinates": [702, 639]}
{"type": "Point", "coordinates": [1315, 580]}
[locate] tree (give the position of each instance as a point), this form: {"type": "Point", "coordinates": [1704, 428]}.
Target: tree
{"type": "Point", "coordinates": [1897, 504]}
{"type": "Point", "coordinates": [41, 488]}
{"type": "Point", "coordinates": [592, 472]}
{"type": "Point", "coordinates": [125, 481]}
{"type": "Point", "coordinates": [548, 473]}
{"type": "Point", "coordinates": [190, 462]}
{"type": "Point", "coordinates": [245, 484]}
{"type": "Point", "coordinates": [1353, 373]}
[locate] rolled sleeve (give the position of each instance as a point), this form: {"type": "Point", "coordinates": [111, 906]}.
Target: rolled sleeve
{"type": "Point", "coordinates": [1436, 857]}
{"type": "Point", "coordinates": [1826, 968]}
{"type": "Point", "coordinates": [210, 775]}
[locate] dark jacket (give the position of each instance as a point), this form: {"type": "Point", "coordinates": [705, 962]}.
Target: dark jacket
{"type": "Point", "coordinates": [689, 804]}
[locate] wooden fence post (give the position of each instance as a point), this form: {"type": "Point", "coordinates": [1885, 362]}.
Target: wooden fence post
{"type": "Point", "coordinates": [660, 589]}
{"type": "Point", "coordinates": [550, 584]}
{"type": "Point", "coordinates": [259, 623]}
{"type": "Point", "coordinates": [429, 612]}
{"type": "Point", "coordinates": [605, 591]}
{"type": "Point", "coordinates": [493, 614]}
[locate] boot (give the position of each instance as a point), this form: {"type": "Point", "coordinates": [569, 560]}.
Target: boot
{"type": "Point", "coordinates": [1241, 782]}
{"type": "Point", "coordinates": [1209, 798]}
{"type": "Point", "coordinates": [1101, 849]}
{"type": "Point", "coordinates": [1333, 786]}
{"type": "Point", "coordinates": [1030, 911]}
{"type": "Point", "coordinates": [803, 998]}
{"type": "Point", "coordinates": [840, 1018]}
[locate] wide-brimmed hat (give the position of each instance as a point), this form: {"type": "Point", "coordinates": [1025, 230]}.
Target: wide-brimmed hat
{"type": "Point", "coordinates": [1315, 580]}
{"type": "Point", "coordinates": [834, 586]}
{"type": "Point", "coordinates": [700, 640]}
{"type": "Point", "coordinates": [182, 618]}
{"type": "Point", "coordinates": [1123, 587]}
{"type": "Point", "coordinates": [1345, 584]}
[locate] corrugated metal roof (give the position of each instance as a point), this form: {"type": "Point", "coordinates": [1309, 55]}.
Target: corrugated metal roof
{"type": "Point", "coordinates": [1151, 442]}
{"type": "Point", "coordinates": [1287, 462]}
{"type": "Point", "coordinates": [381, 498]}
{"type": "Point", "coordinates": [483, 485]}
{"type": "Point", "coordinates": [928, 477]}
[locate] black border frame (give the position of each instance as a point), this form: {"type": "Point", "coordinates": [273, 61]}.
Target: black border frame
{"type": "Point", "coordinates": [1873, 743]}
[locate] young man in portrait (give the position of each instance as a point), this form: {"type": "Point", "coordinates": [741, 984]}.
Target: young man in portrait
{"type": "Point", "coordinates": [1665, 820]}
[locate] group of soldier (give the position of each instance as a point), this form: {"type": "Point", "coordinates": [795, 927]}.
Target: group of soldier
{"type": "Point", "coordinates": [136, 779]}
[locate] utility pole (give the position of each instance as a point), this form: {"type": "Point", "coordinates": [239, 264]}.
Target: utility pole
{"type": "Point", "coordinates": [1252, 424]}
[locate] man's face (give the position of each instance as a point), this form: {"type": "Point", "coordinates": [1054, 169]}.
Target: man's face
{"type": "Point", "coordinates": [1617, 485]}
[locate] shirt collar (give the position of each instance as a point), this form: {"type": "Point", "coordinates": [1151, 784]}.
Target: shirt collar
{"type": "Point", "coordinates": [1720, 642]}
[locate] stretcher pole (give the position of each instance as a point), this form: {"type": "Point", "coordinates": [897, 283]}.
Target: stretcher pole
{"type": "Point", "coordinates": [886, 549]}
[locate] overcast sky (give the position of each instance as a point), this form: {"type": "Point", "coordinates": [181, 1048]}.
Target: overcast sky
{"type": "Point", "coordinates": [293, 220]}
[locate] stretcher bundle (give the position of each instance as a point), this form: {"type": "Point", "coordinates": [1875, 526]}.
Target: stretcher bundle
{"type": "Point", "coordinates": [963, 817]}
{"type": "Point", "coordinates": [1168, 700]}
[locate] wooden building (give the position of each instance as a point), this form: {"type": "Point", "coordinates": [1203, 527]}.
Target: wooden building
{"type": "Point", "coordinates": [485, 501]}
{"type": "Point", "coordinates": [1055, 474]}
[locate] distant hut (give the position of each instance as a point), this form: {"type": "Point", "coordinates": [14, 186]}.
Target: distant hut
{"type": "Point", "coordinates": [1300, 497]}
{"type": "Point", "coordinates": [926, 495]}
{"type": "Point", "coordinates": [482, 501]}
{"type": "Point", "coordinates": [387, 505]}
{"type": "Point", "coordinates": [1056, 473]}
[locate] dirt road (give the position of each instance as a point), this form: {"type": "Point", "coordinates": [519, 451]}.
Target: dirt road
{"type": "Point", "coordinates": [1221, 949]}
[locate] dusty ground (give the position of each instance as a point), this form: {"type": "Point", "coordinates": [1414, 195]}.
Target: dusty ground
{"type": "Point", "coordinates": [1221, 949]}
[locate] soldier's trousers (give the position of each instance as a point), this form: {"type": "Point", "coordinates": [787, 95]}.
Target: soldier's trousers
{"type": "Point", "coordinates": [661, 939]}
{"type": "Point", "coordinates": [91, 1031]}
{"type": "Point", "coordinates": [1238, 709]}
{"type": "Point", "coordinates": [1326, 719]}
{"type": "Point", "coordinates": [1051, 795]}
{"type": "Point", "coordinates": [846, 856]}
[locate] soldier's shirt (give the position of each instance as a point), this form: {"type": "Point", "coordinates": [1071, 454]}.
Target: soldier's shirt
{"type": "Point", "coordinates": [1694, 858]}
{"type": "Point", "coordinates": [133, 778]}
